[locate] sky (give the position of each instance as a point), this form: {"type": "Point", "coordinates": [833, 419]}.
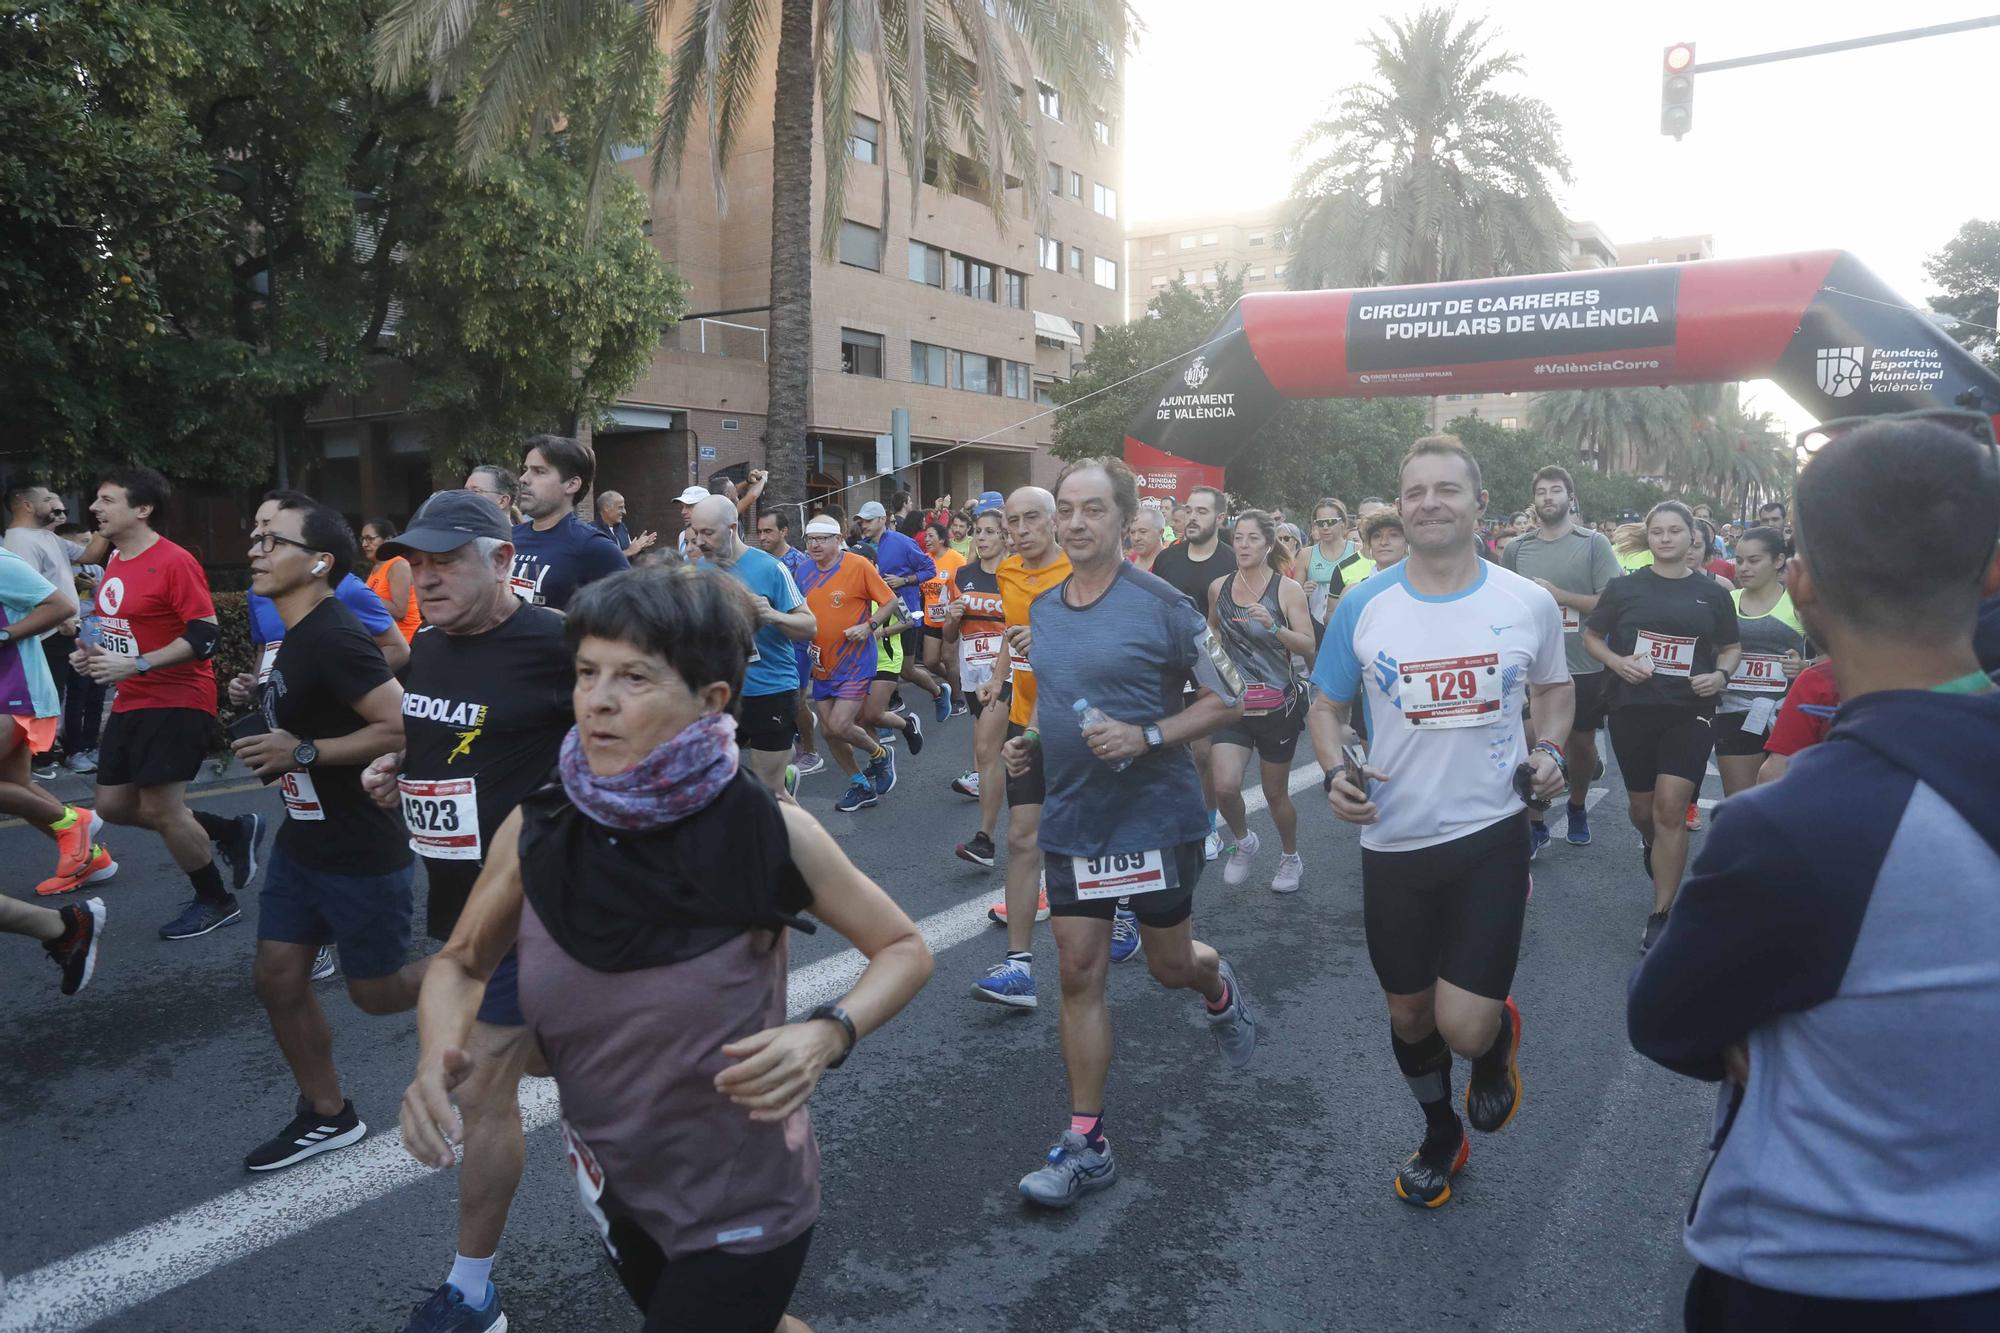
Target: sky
{"type": "Point", "coordinates": [1877, 151]}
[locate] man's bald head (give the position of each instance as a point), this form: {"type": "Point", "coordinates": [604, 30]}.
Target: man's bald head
{"type": "Point", "coordinates": [1031, 522]}
{"type": "Point", "coordinates": [1031, 499]}
{"type": "Point", "coordinates": [712, 528]}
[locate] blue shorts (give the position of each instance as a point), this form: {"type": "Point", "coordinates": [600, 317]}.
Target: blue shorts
{"type": "Point", "coordinates": [843, 689]}
{"type": "Point", "coordinates": [367, 916]}
{"type": "Point", "coordinates": [804, 659]}
{"type": "Point", "coordinates": [502, 1005]}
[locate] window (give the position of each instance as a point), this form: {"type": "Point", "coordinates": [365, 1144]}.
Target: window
{"type": "Point", "coordinates": [1045, 396]}
{"type": "Point", "coordinates": [865, 140]}
{"type": "Point", "coordinates": [860, 245]}
{"type": "Point", "coordinates": [1510, 423]}
{"type": "Point", "coordinates": [1256, 238]}
{"type": "Point", "coordinates": [973, 372]}
{"type": "Point", "coordinates": [959, 266]}
{"type": "Point", "coordinates": [1159, 280]}
{"type": "Point", "coordinates": [861, 353]}
{"type": "Point", "coordinates": [1209, 238]}
{"type": "Point", "coordinates": [1018, 379]}
{"type": "Point", "coordinates": [1278, 272]}
{"type": "Point", "coordinates": [926, 264]}
{"type": "Point", "coordinates": [731, 423]}
{"type": "Point", "coordinates": [1187, 242]}
{"type": "Point", "coordinates": [978, 280]}
{"type": "Point", "coordinates": [1105, 200]}
{"type": "Point", "coordinates": [1076, 260]}
{"type": "Point", "coordinates": [625, 152]}
{"type": "Point", "coordinates": [1101, 130]}
{"type": "Point", "coordinates": [927, 364]}
{"type": "Point", "coordinates": [1017, 290]}
{"type": "Point", "coordinates": [1076, 185]}
{"type": "Point", "coordinates": [1159, 246]}
{"type": "Point", "coordinates": [1107, 273]}
{"type": "Point", "coordinates": [1077, 324]}
{"type": "Point", "coordinates": [1051, 103]}
{"type": "Point", "coordinates": [1254, 273]}
{"type": "Point", "coordinates": [1055, 179]}
{"type": "Point", "coordinates": [1050, 252]}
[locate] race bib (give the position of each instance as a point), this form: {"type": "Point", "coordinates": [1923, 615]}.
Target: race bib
{"type": "Point", "coordinates": [1757, 722]}
{"type": "Point", "coordinates": [1452, 692]}
{"type": "Point", "coordinates": [523, 588]}
{"type": "Point", "coordinates": [1572, 620]}
{"type": "Point", "coordinates": [265, 661]}
{"type": "Point", "coordinates": [1672, 654]}
{"type": "Point", "coordinates": [1759, 673]}
{"type": "Point", "coordinates": [589, 1184]}
{"type": "Point", "coordinates": [1118, 875]}
{"type": "Point", "coordinates": [443, 818]}
{"type": "Point", "coordinates": [301, 797]}
{"type": "Point", "coordinates": [116, 636]}
{"type": "Point", "coordinates": [976, 655]}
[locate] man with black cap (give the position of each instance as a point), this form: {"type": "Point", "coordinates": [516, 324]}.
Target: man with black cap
{"type": "Point", "coordinates": [486, 707]}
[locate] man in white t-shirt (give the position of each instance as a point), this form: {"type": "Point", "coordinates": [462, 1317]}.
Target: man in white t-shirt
{"type": "Point", "coordinates": [33, 514]}
{"type": "Point", "coordinates": [1444, 649]}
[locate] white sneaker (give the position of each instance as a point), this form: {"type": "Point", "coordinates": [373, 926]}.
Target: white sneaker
{"type": "Point", "coordinates": [1291, 868]}
{"type": "Point", "coordinates": [325, 964]}
{"type": "Point", "coordinates": [1211, 847]}
{"type": "Point", "coordinates": [1237, 868]}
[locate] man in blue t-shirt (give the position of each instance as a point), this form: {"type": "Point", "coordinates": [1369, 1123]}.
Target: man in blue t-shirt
{"type": "Point", "coordinates": [555, 553]}
{"type": "Point", "coordinates": [906, 567]}
{"type": "Point", "coordinates": [769, 714]}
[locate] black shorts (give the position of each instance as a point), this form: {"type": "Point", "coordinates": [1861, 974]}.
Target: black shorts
{"type": "Point", "coordinates": [1004, 702]}
{"type": "Point", "coordinates": [769, 721]}
{"type": "Point", "coordinates": [1593, 700]}
{"type": "Point", "coordinates": [1732, 740]}
{"type": "Point", "coordinates": [1168, 907]}
{"type": "Point", "coordinates": [913, 646]}
{"type": "Point", "coordinates": [934, 632]}
{"type": "Point", "coordinates": [1451, 912]}
{"type": "Point", "coordinates": [1032, 787]}
{"type": "Point", "coordinates": [1274, 736]}
{"type": "Point", "coordinates": [1718, 1303]}
{"type": "Point", "coordinates": [153, 747]}
{"type": "Point", "coordinates": [714, 1291]}
{"type": "Point", "coordinates": [1653, 742]}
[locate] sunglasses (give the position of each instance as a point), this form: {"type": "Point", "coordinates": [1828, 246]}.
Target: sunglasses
{"type": "Point", "coordinates": [1328, 522]}
{"type": "Point", "coordinates": [1976, 424]}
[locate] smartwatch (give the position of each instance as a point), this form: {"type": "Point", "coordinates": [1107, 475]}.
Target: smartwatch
{"type": "Point", "coordinates": [1154, 740]}
{"type": "Point", "coordinates": [306, 754]}
{"type": "Point", "coordinates": [141, 665]}
{"type": "Point", "coordinates": [838, 1015]}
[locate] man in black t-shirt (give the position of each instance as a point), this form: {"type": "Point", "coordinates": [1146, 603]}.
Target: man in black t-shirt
{"type": "Point", "coordinates": [488, 703]}
{"type": "Point", "coordinates": [339, 872]}
{"type": "Point", "coordinates": [1193, 564]}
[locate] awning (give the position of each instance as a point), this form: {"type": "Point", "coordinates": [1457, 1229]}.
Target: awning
{"type": "Point", "coordinates": [1055, 328]}
{"type": "Point", "coordinates": [632, 416]}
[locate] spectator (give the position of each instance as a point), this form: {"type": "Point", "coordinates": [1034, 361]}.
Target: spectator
{"type": "Point", "coordinates": [611, 522]}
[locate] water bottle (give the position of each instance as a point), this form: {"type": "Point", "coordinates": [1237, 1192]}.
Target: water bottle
{"type": "Point", "coordinates": [90, 632]}
{"type": "Point", "coordinates": [1087, 716]}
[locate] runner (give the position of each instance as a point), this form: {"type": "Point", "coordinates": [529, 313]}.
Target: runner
{"type": "Point", "coordinates": [961, 532]}
{"type": "Point", "coordinates": [1333, 548]}
{"type": "Point", "coordinates": [840, 587]}
{"type": "Point", "coordinates": [1669, 634]}
{"type": "Point", "coordinates": [69, 934]}
{"type": "Point", "coordinates": [1445, 650]}
{"type": "Point", "coordinates": [339, 871]}
{"type": "Point", "coordinates": [654, 877]}
{"type": "Point", "coordinates": [1036, 565]}
{"type": "Point", "coordinates": [389, 580]}
{"type": "Point", "coordinates": [487, 706]}
{"type": "Point", "coordinates": [1146, 538]}
{"type": "Point", "coordinates": [906, 568]}
{"type": "Point", "coordinates": [883, 712]}
{"type": "Point", "coordinates": [33, 514]}
{"type": "Point", "coordinates": [774, 534]}
{"type": "Point", "coordinates": [1260, 618]}
{"type": "Point", "coordinates": [1113, 647]}
{"type": "Point", "coordinates": [937, 545]}
{"type": "Point", "coordinates": [1193, 565]}
{"type": "Point", "coordinates": [497, 485]}
{"type": "Point", "coordinates": [976, 615]}
{"type": "Point", "coordinates": [1573, 565]}
{"type": "Point", "coordinates": [555, 552]}
{"type": "Point", "coordinates": [1803, 720]}
{"type": "Point", "coordinates": [1383, 538]}
{"type": "Point", "coordinates": [1774, 653]}
{"type": "Point", "coordinates": [158, 633]}
{"type": "Point", "coordinates": [767, 713]}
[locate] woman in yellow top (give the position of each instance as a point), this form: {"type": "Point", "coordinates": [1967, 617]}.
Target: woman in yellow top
{"type": "Point", "coordinates": [390, 579]}
{"type": "Point", "coordinates": [1775, 650]}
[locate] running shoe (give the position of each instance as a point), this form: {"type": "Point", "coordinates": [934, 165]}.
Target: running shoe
{"type": "Point", "coordinates": [1237, 868]}
{"type": "Point", "coordinates": [886, 736]}
{"type": "Point", "coordinates": [998, 912]}
{"type": "Point", "coordinates": [1694, 817]}
{"type": "Point", "coordinates": [914, 734]}
{"type": "Point", "coordinates": [76, 845]}
{"type": "Point", "coordinates": [1491, 1103]}
{"type": "Point", "coordinates": [1538, 838]}
{"type": "Point", "coordinates": [326, 964]}
{"type": "Point", "coordinates": [1291, 869]}
{"type": "Point", "coordinates": [808, 764]}
{"type": "Point", "coordinates": [1124, 935]}
{"type": "Point", "coordinates": [84, 761]}
{"type": "Point", "coordinates": [1425, 1180]}
{"type": "Point", "coordinates": [1579, 827]}
{"type": "Point", "coordinates": [198, 918]}
{"type": "Point", "coordinates": [943, 702]}
{"type": "Point", "coordinates": [1655, 923]}
{"type": "Point", "coordinates": [792, 781]}
{"type": "Point", "coordinates": [1235, 1028]}
{"type": "Point", "coordinates": [859, 794]}
{"type": "Point", "coordinates": [882, 772]}
{"type": "Point", "coordinates": [1211, 846]}
{"type": "Point", "coordinates": [99, 868]}
{"type": "Point", "coordinates": [239, 850]}
{"type": "Point", "coordinates": [979, 851]}
{"type": "Point", "coordinates": [958, 708]}
{"type": "Point", "coordinates": [447, 1312]}
{"type": "Point", "coordinates": [308, 1135]}
{"type": "Point", "coordinates": [46, 769]}
{"type": "Point", "coordinates": [967, 784]}
{"type": "Point", "coordinates": [76, 950]}
{"type": "Point", "coordinates": [1597, 769]}
{"type": "Point", "coordinates": [1070, 1171]}
{"type": "Point", "coordinates": [1009, 983]}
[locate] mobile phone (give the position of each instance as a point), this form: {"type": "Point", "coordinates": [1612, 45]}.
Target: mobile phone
{"type": "Point", "coordinates": [250, 724]}
{"type": "Point", "coordinates": [1354, 759]}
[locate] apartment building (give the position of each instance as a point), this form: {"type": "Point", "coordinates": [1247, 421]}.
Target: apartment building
{"type": "Point", "coordinates": [1199, 248]}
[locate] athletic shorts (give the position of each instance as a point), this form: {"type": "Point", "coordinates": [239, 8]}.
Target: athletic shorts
{"type": "Point", "coordinates": [367, 917]}
{"type": "Point", "coordinates": [803, 657]}
{"type": "Point", "coordinates": [37, 733]}
{"type": "Point", "coordinates": [153, 747]}
{"type": "Point", "coordinates": [1032, 787]}
{"type": "Point", "coordinates": [934, 632]}
{"type": "Point", "coordinates": [1652, 742]}
{"type": "Point", "coordinates": [1169, 907]}
{"type": "Point", "coordinates": [713, 1291]}
{"type": "Point", "coordinates": [769, 721]}
{"type": "Point", "coordinates": [1732, 740]}
{"type": "Point", "coordinates": [1274, 736]}
{"type": "Point", "coordinates": [1005, 700]}
{"type": "Point", "coordinates": [1593, 700]}
{"type": "Point", "coordinates": [888, 676]}
{"type": "Point", "coordinates": [1452, 911]}
{"type": "Point", "coordinates": [842, 688]}
{"type": "Point", "coordinates": [913, 644]}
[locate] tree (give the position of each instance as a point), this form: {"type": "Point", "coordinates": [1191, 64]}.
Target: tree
{"type": "Point", "coordinates": [947, 73]}
{"type": "Point", "coordinates": [1509, 458]}
{"type": "Point", "coordinates": [1429, 173]}
{"type": "Point", "coordinates": [1639, 430]}
{"type": "Point", "coordinates": [1968, 271]}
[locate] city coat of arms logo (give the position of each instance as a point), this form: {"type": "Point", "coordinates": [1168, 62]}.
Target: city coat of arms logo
{"type": "Point", "coordinates": [1196, 372]}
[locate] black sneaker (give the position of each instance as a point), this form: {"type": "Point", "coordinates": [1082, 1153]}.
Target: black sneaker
{"type": "Point", "coordinates": [1491, 1103]}
{"type": "Point", "coordinates": [1425, 1179]}
{"type": "Point", "coordinates": [913, 734]}
{"type": "Point", "coordinates": [83, 926]}
{"type": "Point", "coordinates": [979, 851]}
{"type": "Point", "coordinates": [1646, 858]}
{"type": "Point", "coordinates": [1655, 923]}
{"type": "Point", "coordinates": [198, 918]}
{"type": "Point", "coordinates": [46, 769]}
{"type": "Point", "coordinates": [239, 850]}
{"type": "Point", "coordinates": [308, 1135]}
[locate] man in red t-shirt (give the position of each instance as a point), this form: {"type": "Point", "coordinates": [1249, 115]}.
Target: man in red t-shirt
{"type": "Point", "coordinates": [158, 633]}
{"type": "Point", "coordinates": [1803, 719]}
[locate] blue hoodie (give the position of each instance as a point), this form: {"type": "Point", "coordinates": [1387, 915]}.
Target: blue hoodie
{"type": "Point", "coordinates": [1845, 923]}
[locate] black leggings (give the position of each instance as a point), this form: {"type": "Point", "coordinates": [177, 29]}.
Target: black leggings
{"type": "Point", "coordinates": [710, 1292]}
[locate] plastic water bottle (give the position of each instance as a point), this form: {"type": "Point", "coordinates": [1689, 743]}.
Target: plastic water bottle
{"type": "Point", "coordinates": [1087, 716]}
{"type": "Point", "coordinates": [91, 631]}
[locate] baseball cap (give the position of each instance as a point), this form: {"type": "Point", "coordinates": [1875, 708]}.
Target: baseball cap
{"type": "Point", "coordinates": [694, 495]}
{"type": "Point", "coordinates": [824, 527]}
{"type": "Point", "coordinates": [989, 501]}
{"type": "Point", "coordinates": [447, 521]}
{"type": "Point", "coordinates": [873, 509]}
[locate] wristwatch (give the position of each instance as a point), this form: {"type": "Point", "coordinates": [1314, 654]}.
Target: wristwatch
{"type": "Point", "coordinates": [1154, 740]}
{"type": "Point", "coordinates": [838, 1015]}
{"type": "Point", "coordinates": [141, 665]}
{"type": "Point", "coordinates": [306, 754]}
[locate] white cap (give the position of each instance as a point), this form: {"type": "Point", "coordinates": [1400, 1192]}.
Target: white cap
{"type": "Point", "coordinates": [694, 495]}
{"type": "Point", "coordinates": [823, 527]}
{"type": "Point", "coordinates": [873, 509]}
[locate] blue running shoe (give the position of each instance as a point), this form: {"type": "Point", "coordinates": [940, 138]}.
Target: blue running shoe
{"type": "Point", "coordinates": [1124, 935]}
{"type": "Point", "coordinates": [943, 703]}
{"type": "Point", "coordinates": [1008, 983]}
{"type": "Point", "coordinates": [1579, 827]}
{"type": "Point", "coordinates": [857, 796]}
{"type": "Point", "coordinates": [198, 918]}
{"type": "Point", "coordinates": [1538, 838]}
{"type": "Point", "coordinates": [447, 1312]}
{"type": "Point", "coordinates": [882, 773]}
{"type": "Point", "coordinates": [1070, 1170]}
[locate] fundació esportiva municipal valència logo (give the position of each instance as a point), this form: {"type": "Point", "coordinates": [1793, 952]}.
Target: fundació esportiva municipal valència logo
{"type": "Point", "coordinates": [1839, 369]}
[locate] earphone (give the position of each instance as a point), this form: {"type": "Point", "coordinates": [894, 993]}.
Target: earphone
{"type": "Point", "coordinates": [319, 567]}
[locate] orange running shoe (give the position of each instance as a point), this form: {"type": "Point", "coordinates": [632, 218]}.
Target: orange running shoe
{"type": "Point", "coordinates": [96, 870]}
{"type": "Point", "coordinates": [73, 844]}
{"type": "Point", "coordinates": [998, 912]}
{"type": "Point", "coordinates": [1694, 817]}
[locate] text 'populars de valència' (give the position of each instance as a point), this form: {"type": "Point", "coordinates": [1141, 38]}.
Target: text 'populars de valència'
{"type": "Point", "coordinates": [1518, 312]}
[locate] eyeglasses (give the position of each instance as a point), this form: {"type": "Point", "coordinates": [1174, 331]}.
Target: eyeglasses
{"type": "Point", "coordinates": [264, 541]}
{"type": "Point", "coordinates": [1976, 424]}
{"type": "Point", "coordinates": [1328, 522]}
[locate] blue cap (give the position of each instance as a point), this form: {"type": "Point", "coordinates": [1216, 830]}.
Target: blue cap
{"type": "Point", "coordinates": [988, 502]}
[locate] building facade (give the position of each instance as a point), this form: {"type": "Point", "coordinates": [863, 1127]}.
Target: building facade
{"type": "Point", "coordinates": [1200, 249]}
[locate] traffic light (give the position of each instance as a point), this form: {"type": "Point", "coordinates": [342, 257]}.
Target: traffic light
{"type": "Point", "coordinates": [1677, 89]}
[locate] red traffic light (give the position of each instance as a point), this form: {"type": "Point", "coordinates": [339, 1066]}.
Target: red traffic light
{"type": "Point", "coordinates": [1679, 57]}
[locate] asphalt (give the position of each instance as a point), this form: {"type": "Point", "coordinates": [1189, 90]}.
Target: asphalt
{"type": "Point", "coordinates": [1251, 1200]}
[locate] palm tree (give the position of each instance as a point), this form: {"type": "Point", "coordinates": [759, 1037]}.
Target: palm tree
{"type": "Point", "coordinates": [1429, 174]}
{"type": "Point", "coordinates": [1733, 452]}
{"type": "Point", "coordinates": [952, 78]}
{"type": "Point", "coordinates": [1615, 430]}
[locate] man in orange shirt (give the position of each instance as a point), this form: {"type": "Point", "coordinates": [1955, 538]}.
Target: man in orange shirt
{"type": "Point", "coordinates": [937, 544]}
{"type": "Point", "coordinates": [840, 588]}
